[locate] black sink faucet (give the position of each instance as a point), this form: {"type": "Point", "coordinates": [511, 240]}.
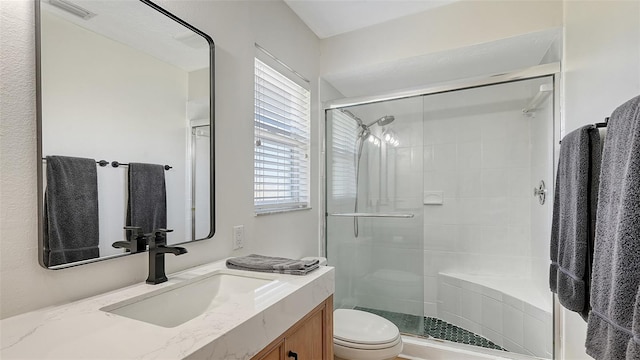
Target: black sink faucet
{"type": "Point", "coordinates": [157, 248]}
{"type": "Point", "coordinates": [138, 242]}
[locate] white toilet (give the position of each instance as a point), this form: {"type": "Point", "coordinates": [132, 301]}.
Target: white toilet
{"type": "Point", "coordinates": [359, 335]}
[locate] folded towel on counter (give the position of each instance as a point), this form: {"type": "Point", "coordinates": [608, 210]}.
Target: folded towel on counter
{"type": "Point", "coordinates": [613, 331]}
{"type": "Point", "coordinates": [574, 215]}
{"type": "Point", "coordinates": [147, 204]}
{"type": "Point", "coordinates": [270, 264]}
{"type": "Point", "coordinates": [71, 224]}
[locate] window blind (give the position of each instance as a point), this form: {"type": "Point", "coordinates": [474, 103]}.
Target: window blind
{"type": "Point", "coordinates": [344, 134]}
{"type": "Point", "coordinates": [281, 156]}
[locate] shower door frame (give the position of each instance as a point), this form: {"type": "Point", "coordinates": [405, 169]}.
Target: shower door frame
{"type": "Point", "coordinates": [552, 70]}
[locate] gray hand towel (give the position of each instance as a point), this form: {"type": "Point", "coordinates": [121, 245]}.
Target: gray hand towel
{"type": "Point", "coordinates": [262, 263]}
{"type": "Point", "coordinates": [71, 231]}
{"type": "Point", "coordinates": [147, 204]}
{"type": "Point", "coordinates": [573, 224]}
{"type": "Point", "coordinates": [613, 331]}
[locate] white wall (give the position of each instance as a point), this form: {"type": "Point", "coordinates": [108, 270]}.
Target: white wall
{"type": "Point", "coordinates": [453, 26]}
{"type": "Point", "coordinates": [601, 71]}
{"type": "Point", "coordinates": [235, 26]}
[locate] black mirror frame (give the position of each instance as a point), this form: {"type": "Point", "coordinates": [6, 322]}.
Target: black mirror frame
{"type": "Point", "coordinates": [40, 174]}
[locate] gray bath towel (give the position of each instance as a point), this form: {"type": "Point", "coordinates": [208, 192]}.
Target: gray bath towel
{"type": "Point", "coordinates": [71, 231]}
{"type": "Point", "coordinates": [573, 225]}
{"type": "Point", "coordinates": [613, 331]}
{"type": "Point", "coordinates": [147, 205]}
{"type": "Point", "coordinates": [270, 264]}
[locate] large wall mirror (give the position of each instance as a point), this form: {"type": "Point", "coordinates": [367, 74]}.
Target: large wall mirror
{"type": "Point", "coordinates": [129, 86]}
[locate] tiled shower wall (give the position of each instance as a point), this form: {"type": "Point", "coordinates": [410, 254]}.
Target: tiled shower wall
{"type": "Point", "coordinates": [477, 146]}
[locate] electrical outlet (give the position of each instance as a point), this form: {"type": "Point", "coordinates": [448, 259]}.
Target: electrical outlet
{"type": "Point", "coordinates": [238, 237]}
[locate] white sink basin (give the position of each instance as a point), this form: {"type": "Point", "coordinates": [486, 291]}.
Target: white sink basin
{"type": "Point", "coordinates": [177, 304]}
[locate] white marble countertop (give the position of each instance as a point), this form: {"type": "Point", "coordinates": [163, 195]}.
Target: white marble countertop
{"type": "Point", "coordinates": [237, 329]}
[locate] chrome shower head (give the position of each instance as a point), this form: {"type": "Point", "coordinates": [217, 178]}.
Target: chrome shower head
{"type": "Point", "coordinates": [385, 120]}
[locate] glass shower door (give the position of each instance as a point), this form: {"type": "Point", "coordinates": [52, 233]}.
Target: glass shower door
{"type": "Point", "coordinates": [374, 209]}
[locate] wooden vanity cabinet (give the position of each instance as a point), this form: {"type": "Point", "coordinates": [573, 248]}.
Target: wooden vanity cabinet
{"type": "Point", "coordinates": [311, 338]}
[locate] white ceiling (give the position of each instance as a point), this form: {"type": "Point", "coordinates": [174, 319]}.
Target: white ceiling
{"type": "Point", "coordinates": [328, 18]}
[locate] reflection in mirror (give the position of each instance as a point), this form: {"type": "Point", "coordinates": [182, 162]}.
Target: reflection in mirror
{"type": "Point", "coordinates": [129, 83]}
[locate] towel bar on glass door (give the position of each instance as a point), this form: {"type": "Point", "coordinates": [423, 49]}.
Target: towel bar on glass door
{"type": "Point", "coordinates": [375, 215]}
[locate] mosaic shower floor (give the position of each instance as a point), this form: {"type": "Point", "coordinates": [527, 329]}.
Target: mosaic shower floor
{"type": "Point", "coordinates": [433, 327]}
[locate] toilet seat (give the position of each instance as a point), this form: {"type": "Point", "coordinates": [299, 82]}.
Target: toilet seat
{"type": "Point", "coordinates": [360, 335]}
{"type": "Point", "coordinates": [360, 327]}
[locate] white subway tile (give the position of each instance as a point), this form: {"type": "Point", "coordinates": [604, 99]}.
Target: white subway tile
{"type": "Point", "coordinates": [436, 262]}
{"type": "Point", "coordinates": [428, 158]}
{"type": "Point", "coordinates": [495, 154]}
{"type": "Point", "coordinates": [471, 211]}
{"type": "Point", "coordinates": [513, 324]}
{"type": "Point", "coordinates": [440, 237]}
{"type": "Point", "coordinates": [536, 336]}
{"type": "Point", "coordinates": [494, 182]}
{"type": "Point", "coordinates": [439, 131]}
{"type": "Point", "coordinates": [469, 155]}
{"type": "Point", "coordinates": [495, 127]}
{"type": "Point", "coordinates": [492, 314]}
{"type": "Point", "coordinates": [445, 157]}
{"type": "Point", "coordinates": [512, 346]}
{"type": "Point", "coordinates": [440, 180]}
{"type": "Point", "coordinates": [492, 335]}
{"type": "Point", "coordinates": [519, 183]}
{"type": "Point", "coordinates": [492, 293]}
{"type": "Point", "coordinates": [469, 183]}
{"type": "Point", "coordinates": [442, 214]}
{"type": "Point", "coordinates": [447, 316]}
{"type": "Point", "coordinates": [495, 240]}
{"type": "Point", "coordinates": [471, 286]}
{"type": "Point", "coordinates": [513, 302]}
{"type": "Point", "coordinates": [469, 325]}
{"type": "Point", "coordinates": [519, 212]}
{"type": "Point", "coordinates": [450, 280]}
{"type": "Point", "coordinates": [495, 211]}
{"type": "Point", "coordinates": [469, 129]}
{"type": "Point", "coordinates": [468, 237]}
{"type": "Point", "coordinates": [450, 298]}
{"type": "Point", "coordinates": [518, 154]}
{"type": "Point", "coordinates": [430, 309]}
{"type": "Point", "coordinates": [535, 312]}
{"type": "Point", "coordinates": [471, 305]}
{"type": "Point", "coordinates": [430, 289]}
